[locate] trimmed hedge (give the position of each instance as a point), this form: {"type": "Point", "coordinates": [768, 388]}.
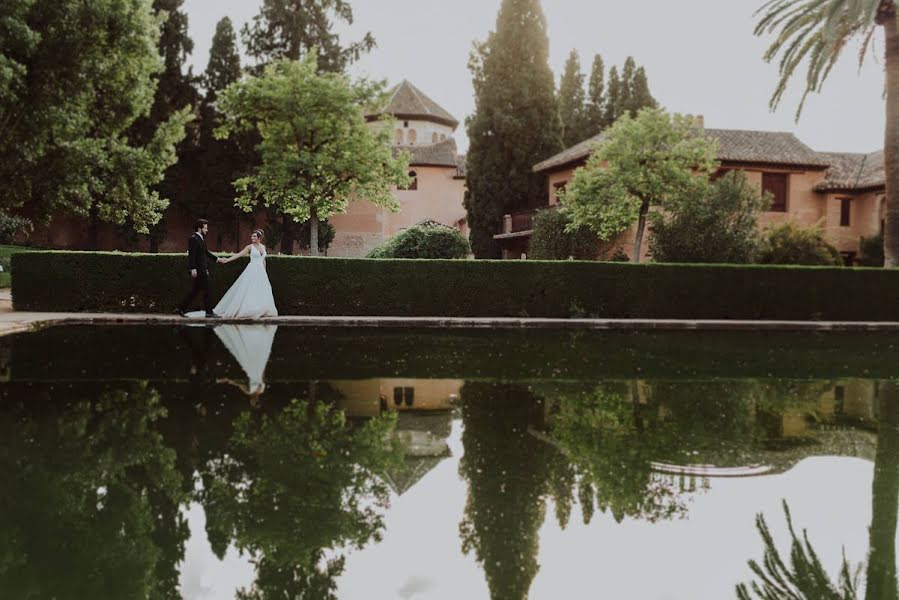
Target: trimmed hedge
{"type": "Point", "coordinates": [114, 282]}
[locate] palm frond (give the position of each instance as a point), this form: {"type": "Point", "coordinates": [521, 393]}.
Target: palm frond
{"type": "Point", "coordinates": [813, 33]}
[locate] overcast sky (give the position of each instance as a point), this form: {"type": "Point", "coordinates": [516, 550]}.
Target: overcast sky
{"type": "Point", "coordinates": [700, 57]}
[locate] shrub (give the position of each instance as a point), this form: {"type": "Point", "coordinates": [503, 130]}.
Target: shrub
{"type": "Point", "coordinates": [116, 282]}
{"type": "Point", "coordinates": [11, 226]}
{"type": "Point", "coordinates": [716, 224]}
{"type": "Point", "coordinates": [790, 244]}
{"type": "Point", "coordinates": [427, 239]}
{"type": "Point", "coordinates": [551, 240]}
{"type": "Point", "coordinates": [872, 251]}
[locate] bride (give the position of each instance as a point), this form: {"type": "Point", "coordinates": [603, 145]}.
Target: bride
{"type": "Point", "coordinates": [251, 295]}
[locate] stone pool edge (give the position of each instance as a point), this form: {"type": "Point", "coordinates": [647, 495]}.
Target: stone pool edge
{"type": "Point", "coordinates": [11, 323]}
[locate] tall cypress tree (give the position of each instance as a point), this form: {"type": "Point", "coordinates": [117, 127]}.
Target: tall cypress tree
{"type": "Point", "coordinates": [612, 109]}
{"type": "Point", "coordinates": [595, 98]}
{"type": "Point", "coordinates": [175, 90]}
{"type": "Point", "coordinates": [289, 29]}
{"type": "Point", "coordinates": [214, 162]}
{"type": "Point", "coordinates": [640, 95]}
{"type": "Point", "coordinates": [515, 124]}
{"type": "Point", "coordinates": [572, 101]}
{"type": "Point", "coordinates": [628, 73]}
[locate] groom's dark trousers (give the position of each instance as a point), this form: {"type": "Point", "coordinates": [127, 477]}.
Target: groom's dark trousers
{"type": "Point", "coordinates": [198, 257]}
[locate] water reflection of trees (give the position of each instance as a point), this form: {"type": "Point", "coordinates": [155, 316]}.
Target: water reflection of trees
{"type": "Point", "coordinates": [90, 499]}
{"type": "Point", "coordinates": [804, 577]}
{"type": "Point", "coordinates": [293, 486]}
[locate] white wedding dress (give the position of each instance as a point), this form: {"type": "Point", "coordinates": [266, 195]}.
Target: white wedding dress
{"type": "Point", "coordinates": [251, 295]}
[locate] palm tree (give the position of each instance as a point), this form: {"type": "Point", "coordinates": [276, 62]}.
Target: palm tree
{"type": "Point", "coordinates": [818, 31]}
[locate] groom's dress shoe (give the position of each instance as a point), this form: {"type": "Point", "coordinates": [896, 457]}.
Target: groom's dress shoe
{"type": "Point", "coordinates": [212, 315]}
{"type": "Point", "coordinates": [179, 311]}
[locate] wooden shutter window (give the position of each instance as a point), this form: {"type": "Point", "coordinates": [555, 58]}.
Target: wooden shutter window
{"type": "Point", "coordinates": [776, 184]}
{"type": "Point", "coordinates": [845, 212]}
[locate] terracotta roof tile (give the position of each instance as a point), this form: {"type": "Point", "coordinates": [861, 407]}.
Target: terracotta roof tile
{"type": "Point", "coordinates": [408, 102]}
{"type": "Point", "coordinates": [734, 145]}
{"type": "Point", "coordinates": [853, 171]}
{"type": "Point", "coordinates": [441, 154]}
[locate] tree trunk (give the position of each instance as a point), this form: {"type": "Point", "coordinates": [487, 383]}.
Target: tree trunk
{"type": "Point", "coordinates": [313, 234]}
{"type": "Point", "coordinates": [287, 235]}
{"type": "Point", "coordinates": [881, 576]}
{"type": "Point", "coordinates": [641, 226]}
{"type": "Point", "coordinates": [891, 137]}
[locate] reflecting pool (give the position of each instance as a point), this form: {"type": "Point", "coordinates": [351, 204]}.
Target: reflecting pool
{"type": "Point", "coordinates": [263, 462]}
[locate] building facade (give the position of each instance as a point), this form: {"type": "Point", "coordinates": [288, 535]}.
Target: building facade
{"type": "Point", "coordinates": [843, 192]}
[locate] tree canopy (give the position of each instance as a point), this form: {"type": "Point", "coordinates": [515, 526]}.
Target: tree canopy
{"type": "Point", "coordinates": [317, 152]}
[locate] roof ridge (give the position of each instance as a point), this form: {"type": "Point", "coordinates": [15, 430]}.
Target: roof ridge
{"type": "Point", "coordinates": [861, 168]}
{"type": "Point", "coordinates": [418, 94]}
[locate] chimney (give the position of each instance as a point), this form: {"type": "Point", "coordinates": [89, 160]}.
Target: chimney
{"type": "Point", "coordinates": [700, 121]}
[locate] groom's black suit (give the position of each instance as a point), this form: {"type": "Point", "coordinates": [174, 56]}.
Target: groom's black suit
{"type": "Point", "coordinates": [198, 257]}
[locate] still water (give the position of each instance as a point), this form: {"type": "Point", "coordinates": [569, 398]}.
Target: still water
{"type": "Point", "coordinates": [257, 462]}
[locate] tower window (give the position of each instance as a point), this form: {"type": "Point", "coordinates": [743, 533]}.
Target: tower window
{"type": "Point", "coordinates": [398, 138]}
{"type": "Point", "coordinates": [413, 136]}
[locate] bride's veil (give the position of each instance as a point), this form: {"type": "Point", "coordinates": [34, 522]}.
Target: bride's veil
{"type": "Point", "coordinates": [251, 346]}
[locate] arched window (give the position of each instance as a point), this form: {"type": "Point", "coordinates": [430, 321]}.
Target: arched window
{"type": "Point", "coordinates": [442, 136]}
{"type": "Point", "coordinates": [434, 138]}
{"type": "Point", "coordinates": [398, 138]}
{"type": "Point", "coordinates": [413, 136]}
{"type": "Point", "coordinates": [413, 185]}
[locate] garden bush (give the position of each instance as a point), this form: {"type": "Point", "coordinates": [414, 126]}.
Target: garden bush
{"type": "Point", "coordinates": [715, 224]}
{"type": "Point", "coordinates": [116, 282]}
{"type": "Point", "coordinates": [872, 251]}
{"type": "Point", "coordinates": [551, 241]}
{"type": "Point", "coordinates": [12, 226]}
{"type": "Point", "coordinates": [427, 239]}
{"type": "Point", "coordinates": [790, 244]}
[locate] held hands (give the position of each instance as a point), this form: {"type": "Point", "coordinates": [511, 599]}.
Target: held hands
{"type": "Point", "coordinates": [193, 273]}
{"type": "Point", "coordinates": [221, 261]}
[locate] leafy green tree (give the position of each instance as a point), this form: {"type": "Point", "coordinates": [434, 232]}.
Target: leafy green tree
{"type": "Point", "coordinates": [640, 96]}
{"type": "Point", "coordinates": [651, 160]}
{"type": "Point", "coordinates": [295, 485]}
{"type": "Point", "coordinates": [791, 244]}
{"type": "Point", "coordinates": [813, 34]}
{"type": "Point", "coordinates": [716, 224]}
{"type": "Point", "coordinates": [91, 505]}
{"type": "Point", "coordinates": [317, 151]}
{"type": "Point", "coordinates": [175, 90]}
{"type": "Point", "coordinates": [289, 29]}
{"type": "Point", "coordinates": [572, 101]}
{"type": "Point", "coordinates": [74, 78]}
{"type": "Point", "coordinates": [595, 99]}
{"type": "Point", "coordinates": [515, 124]}
{"type": "Point", "coordinates": [551, 239]}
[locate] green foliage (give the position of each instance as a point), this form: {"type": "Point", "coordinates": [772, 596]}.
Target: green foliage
{"type": "Point", "coordinates": [805, 578]}
{"type": "Point", "coordinates": [717, 224]}
{"type": "Point", "coordinates": [425, 240]}
{"type": "Point", "coordinates": [292, 486]}
{"type": "Point", "coordinates": [74, 78]}
{"type": "Point", "coordinates": [317, 151]}
{"type": "Point", "coordinates": [91, 502]}
{"type": "Point", "coordinates": [551, 239]}
{"type": "Point", "coordinates": [115, 282]}
{"type": "Point", "coordinates": [572, 102]}
{"type": "Point", "coordinates": [652, 160]}
{"type": "Point", "coordinates": [515, 124]}
{"type": "Point", "coordinates": [872, 251]}
{"type": "Point", "coordinates": [12, 226]}
{"type": "Point", "coordinates": [790, 244]}
{"type": "Point", "coordinates": [291, 29]}
{"type": "Point", "coordinates": [595, 99]}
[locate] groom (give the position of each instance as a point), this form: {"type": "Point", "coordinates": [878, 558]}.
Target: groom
{"type": "Point", "coordinates": [198, 257]}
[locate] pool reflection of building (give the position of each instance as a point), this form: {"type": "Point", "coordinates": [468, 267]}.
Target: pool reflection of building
{"type": "Point", "coordinates": [423, 424]}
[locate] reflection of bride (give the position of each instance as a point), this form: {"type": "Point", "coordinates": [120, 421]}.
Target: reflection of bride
{"type": "Point", "coordinates": [251, 346]}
